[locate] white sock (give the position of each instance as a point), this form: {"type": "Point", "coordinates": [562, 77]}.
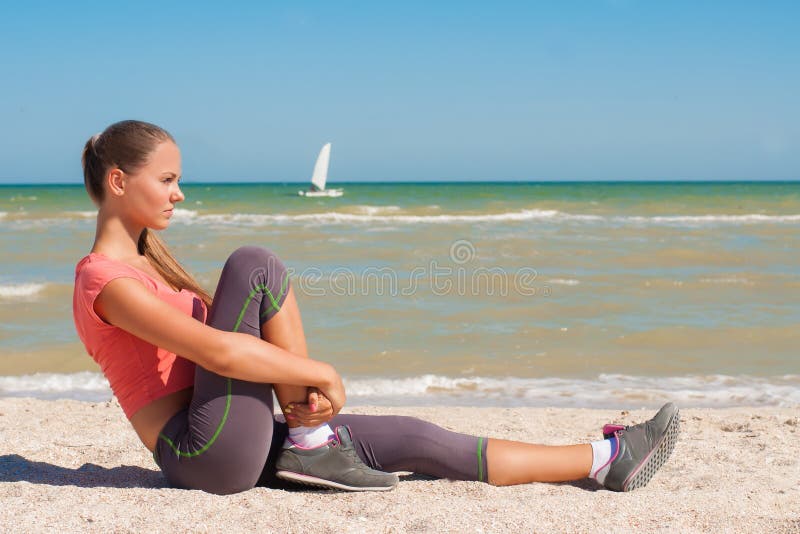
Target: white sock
{"type": "Point", "coordinates": [602, 451]}
{"type": "Point", "coordinates": [309, 437]}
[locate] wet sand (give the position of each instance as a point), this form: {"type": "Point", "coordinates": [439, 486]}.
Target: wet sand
{"type": "Point", "coordinates": [73, 466]}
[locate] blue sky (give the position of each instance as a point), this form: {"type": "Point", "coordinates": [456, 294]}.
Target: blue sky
{"type": "Point", "coordinates": [568, 90]}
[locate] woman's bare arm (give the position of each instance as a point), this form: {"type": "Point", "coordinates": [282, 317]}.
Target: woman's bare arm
{"type": "Point", "coordinates": [127, 304]}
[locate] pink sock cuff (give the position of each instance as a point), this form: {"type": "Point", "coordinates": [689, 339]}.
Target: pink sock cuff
{"type": "Point", "coordinates": [297, 445]}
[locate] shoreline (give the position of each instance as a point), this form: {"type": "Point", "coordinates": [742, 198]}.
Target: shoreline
{"type": "Point", "coordinates": [78, 466]}
{"type": "Point", "coordinates": [603, 391]}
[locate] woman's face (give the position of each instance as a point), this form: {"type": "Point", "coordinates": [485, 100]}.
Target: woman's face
{"type": "Point", "coordinates": [152, 191]}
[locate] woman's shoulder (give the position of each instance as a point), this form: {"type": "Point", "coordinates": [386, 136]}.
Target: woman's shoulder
{"type": "Point", "coordinates": [96, 270]}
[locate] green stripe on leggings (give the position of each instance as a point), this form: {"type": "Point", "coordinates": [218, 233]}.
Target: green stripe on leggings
{"type": "Point", "coordinates": [275, 305]}
{"type": "Point", "coordinates": [273, 301]}
{"type": "Point", "coordinates": [480, 459]}
{"type": "Point", "coordinates": [205, 447]}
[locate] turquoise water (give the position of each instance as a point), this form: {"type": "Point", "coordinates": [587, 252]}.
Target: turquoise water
{"type": "Point", "coordinates": [469, 291]}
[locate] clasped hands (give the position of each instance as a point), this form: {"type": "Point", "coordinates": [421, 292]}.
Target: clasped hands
{"type": "Point", "coordinates": [317, 410]}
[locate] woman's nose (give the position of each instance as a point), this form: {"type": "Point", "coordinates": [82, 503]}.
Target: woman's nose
{"type": "Point", "coordinates": [177, 194]}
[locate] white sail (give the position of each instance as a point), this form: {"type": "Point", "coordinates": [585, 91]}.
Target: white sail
{"type": "Point", "coordinates": [320, 175]}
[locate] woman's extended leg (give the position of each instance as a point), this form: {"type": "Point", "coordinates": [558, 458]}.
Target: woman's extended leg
{"type": "Point", "coordinates": [626, 460]}
{"type": "Point", "coordinates": [397, 443]}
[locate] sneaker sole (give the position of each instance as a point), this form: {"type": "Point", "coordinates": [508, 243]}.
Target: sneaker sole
{"type": "Point", "coordinates": [657, 457]}
{"type": "Point", "coordinates": [326, 484]}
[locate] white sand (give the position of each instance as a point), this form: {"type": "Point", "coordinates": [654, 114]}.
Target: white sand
{"type": "Point", "coordinates": [72, 467]}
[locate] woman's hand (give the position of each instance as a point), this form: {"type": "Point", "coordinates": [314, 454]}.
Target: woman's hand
{"type": "Point", "coordinates": [333, 390]}
{"type": "Point", "coordinates": [316, 411]}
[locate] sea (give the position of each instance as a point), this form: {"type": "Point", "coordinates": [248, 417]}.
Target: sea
{"type": "Point", "coordinates": [616, 294]}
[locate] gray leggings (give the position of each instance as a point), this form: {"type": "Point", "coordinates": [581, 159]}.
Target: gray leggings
{"type": "Point", "coordinates": [227, 441]}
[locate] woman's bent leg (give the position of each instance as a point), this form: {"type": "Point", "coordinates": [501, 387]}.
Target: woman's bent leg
{"type": "Point", "coordinates": [221, 441]}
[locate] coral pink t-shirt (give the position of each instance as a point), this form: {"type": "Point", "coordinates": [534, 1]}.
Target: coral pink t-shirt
{"type": "Point", "coordinates": [138, 371]}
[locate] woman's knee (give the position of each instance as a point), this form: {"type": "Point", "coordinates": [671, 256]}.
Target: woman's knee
{"type": "Point", "coordinates": [259, 264]}
{"type": "Point", "coordinates": [255, 256]}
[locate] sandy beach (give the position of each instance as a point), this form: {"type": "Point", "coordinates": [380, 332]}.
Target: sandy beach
{"type": "Point", "coordinates": [74, 466]}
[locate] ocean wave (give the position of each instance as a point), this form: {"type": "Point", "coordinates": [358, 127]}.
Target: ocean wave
{"type": "Point", "coordinates": [88, 214]}
{"type": "Point", "coordinates": [370, 215]}
{"type": "Point", "coordinates": [605, 391]}
{"type": "Point", "coordinates": [19, 221]}
{"type": "Point", "coordinates": [85, 386]}
{"type": "Point", "coordinates": [181, 213]}
{"type": "Point", "coordinates": [375, 210]}
{"type": "Point", "coordinates": [751, 218]}
{"type": "Point", "coordinates": [727, 280]}
{"type": "Point", "coordinates": [20, 290]}
{"type": "Point", "coordinates": [335, 217]}
{"type": "Point", "coordinates": [384, 214]}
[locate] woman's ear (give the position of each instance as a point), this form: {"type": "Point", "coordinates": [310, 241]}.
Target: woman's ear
{"type": "Point", "coordinates": [116, 182]}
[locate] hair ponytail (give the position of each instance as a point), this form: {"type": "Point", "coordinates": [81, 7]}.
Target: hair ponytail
{"type": "Point", "coordinates": [127, 145]}
{"type": "Point", "coordinates": [155, 250]}
{"type": "Point", "coordinates": [92, 167]}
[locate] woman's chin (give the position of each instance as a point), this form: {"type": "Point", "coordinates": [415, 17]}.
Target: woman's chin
{"type": "Point", "coordinates": [160, 225]}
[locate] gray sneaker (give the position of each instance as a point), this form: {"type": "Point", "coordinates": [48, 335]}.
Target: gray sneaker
{"type": "Point", "coordinates": [333, 465]}
{"type": "Point", "coordinates": [641, 449]}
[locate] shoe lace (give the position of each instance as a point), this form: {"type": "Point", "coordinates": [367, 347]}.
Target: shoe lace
{"type": "Point", "coordinates": [349, 451]}
{"type": "Point", "coordinates": [644, 426]}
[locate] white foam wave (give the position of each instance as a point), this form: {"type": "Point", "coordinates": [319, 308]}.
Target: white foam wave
{"type": "Point", "coordinates": [89, 214]}
{"type": "Point", "coordinates": [86, 385]}
{"type": "Point", "coordinates": [387, 215]}
{"type": "Point", "coordinates": [751, 218]}
{"type": "Point", "coordinates": [727, 280]}
{"type": "Point", "coordinates": [371, 215]}
{"type": "Point", "coordinates": [334, 217]}
{"type": "Point", "coordinates": [20, 221]}
{"type": "Point", "coordinates": [20, 290]}
{"type": "Point", "coordinates": [607, 391]}
{"type": "Point", "coordinates": [604, 391]}
{"type": "Point", "coordinates": [563, 281]}
{"type": "Point", "coordinates": [376, 210]}
{"type": "Point", "coordinates": [181, 213]}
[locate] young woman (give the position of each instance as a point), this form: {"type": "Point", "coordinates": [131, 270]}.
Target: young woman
{"type": "Point", "coordinates": [195, 375]}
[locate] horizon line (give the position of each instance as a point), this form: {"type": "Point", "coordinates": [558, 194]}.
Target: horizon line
{"type": "Point", "coordinates": [446, 181]}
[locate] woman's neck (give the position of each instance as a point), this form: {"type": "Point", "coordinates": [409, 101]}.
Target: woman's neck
{"type": "Point", "coordinates": [114, 238]}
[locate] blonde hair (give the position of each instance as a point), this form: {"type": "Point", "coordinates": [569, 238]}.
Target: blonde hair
{"type": "Point", "coordinates": [127, 145]}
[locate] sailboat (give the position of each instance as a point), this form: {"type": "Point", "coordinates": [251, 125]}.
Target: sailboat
{"type": "Point", "coordinates": [320, 176]}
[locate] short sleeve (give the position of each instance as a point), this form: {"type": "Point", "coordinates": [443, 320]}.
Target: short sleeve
{"type": "Point", "coordinates": [90, 279]}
